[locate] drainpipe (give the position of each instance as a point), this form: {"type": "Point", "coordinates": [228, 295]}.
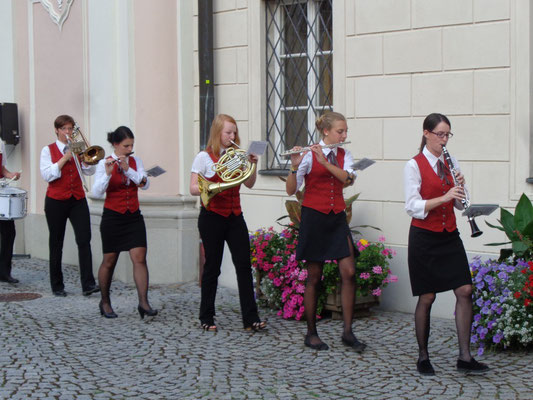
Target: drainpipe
{"type": "Point", "coordinates": [205, 64]}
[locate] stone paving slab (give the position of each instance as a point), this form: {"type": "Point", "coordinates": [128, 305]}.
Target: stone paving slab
{"type": "Point", "coordinates": [61, 348]}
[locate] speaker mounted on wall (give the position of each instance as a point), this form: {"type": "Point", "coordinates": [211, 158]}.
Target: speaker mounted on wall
{"type": "Point", "coordinates": [9, 123]}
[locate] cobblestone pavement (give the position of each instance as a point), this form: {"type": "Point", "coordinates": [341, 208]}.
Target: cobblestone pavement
{"type": "Point", "coordinates": [62, 348]}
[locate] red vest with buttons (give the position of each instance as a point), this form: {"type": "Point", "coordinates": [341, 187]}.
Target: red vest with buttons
{"type": "Point", "coordinates": [442, 217]}
{"type": "Point", "coordinates": [119, 196]}
{"type": "Point", "coordinates": [227, 201]}
{"type": "Point", "coordinates": [1, 169]}
{"type": "Point", "coordinates": [69, 184]}
{"type": "Point", "coordinates": [323, 192]}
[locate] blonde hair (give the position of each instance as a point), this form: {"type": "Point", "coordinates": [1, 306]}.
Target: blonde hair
{"type": "Point", "coordinates": [326, 120]}
{"type": "Point", "coordinates": [213, 144]}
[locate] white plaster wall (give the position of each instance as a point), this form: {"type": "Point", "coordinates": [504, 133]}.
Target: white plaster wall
{"type": "Point", "coordinates": [395, 61]}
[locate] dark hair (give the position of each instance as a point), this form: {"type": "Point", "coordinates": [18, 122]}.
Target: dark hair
{"type": "Point", "coordinates": [119, 134]}
{"type": "Point", "coordinates": [430, 122]}
{"type": "Point", "coordinates": [62, 120]}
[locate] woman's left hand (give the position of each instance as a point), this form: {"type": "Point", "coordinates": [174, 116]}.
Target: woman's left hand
{"type": "Point", "coordinates": [123, 163]}
{"type": "Point", "coordinates": [253, 158]}
{"type": "Point", "coordinates": [460, 178]}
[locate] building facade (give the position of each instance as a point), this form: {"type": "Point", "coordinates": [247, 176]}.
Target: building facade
{"type": "Point", "coordinates": [384, 64]}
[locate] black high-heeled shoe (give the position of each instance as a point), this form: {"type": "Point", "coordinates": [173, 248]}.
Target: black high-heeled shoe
{"type": "Point", "coordinates": [106, 314]}
{"type": "Point", "coordinates": [150, 312]}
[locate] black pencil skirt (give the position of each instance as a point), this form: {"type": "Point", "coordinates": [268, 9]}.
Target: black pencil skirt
{"type": "Point", "coordinates": [323, 236]}
{"type": "Point", "coordinates": [437, 261]}
{"type": "Point", "coordinates": [122, 232]}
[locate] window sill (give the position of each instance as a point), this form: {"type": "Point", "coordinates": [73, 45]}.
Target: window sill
{"type": "Point", "coordinates": [273, 172]}
{"type": "Point", "coordinates": [529, 180]}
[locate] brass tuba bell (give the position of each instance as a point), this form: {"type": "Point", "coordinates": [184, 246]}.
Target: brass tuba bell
{"type": "Point", "coordinates": [233, 168]}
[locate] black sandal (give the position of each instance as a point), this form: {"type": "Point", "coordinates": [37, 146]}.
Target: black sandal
{"type": "Point", "coordinates": [256, 326]}
{"type": "Point", "coordinates": [209, 327]}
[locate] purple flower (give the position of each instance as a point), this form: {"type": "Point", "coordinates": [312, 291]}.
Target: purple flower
{"type": "Point", "coordinates": [473, 339]}
{"type": "Point", "coordinates": [480, 351]}
{"type": "Point", "coordinates": [503, 276]}
{"type": "Point", "coordinates": [489, 279]}
{"type": "Point", "coordinates": [477, 317]}
{"type": "Point", "coordinates": [491, 324]}
{"type": "Point", "coordinates": [485, 310]}
{"type": "Point", "coordinates": [498, 337]}
{"type": "Point", "coordinates": [480, 285]}
{"type": "Point", "coordinates": [479, 302]}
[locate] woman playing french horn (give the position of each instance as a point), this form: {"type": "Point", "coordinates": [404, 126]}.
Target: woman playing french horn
{"type": "Point", "coordinates": [222, 221]}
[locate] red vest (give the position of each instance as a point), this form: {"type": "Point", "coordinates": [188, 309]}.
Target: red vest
{"type": "Point", "coordinates": [119, 196]}
{"type": "Point", "coordinates": [323, 192]}
{"type": "Point", "coordinates": [442, 217]}
{"type": "Point", "coordinates": [69, 184]}
{"type": "Point", "coordinates": [227, 201]}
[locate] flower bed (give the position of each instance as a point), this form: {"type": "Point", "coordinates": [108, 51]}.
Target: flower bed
{"type": "Point", "coordinates": [503, 304]}
{"type": "Point", "coordinates": [280, 278]}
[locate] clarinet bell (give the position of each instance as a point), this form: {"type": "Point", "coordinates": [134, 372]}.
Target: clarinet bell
{"type": "Point", "coordinates": [475, 230]}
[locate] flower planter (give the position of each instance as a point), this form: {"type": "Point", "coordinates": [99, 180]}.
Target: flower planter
{"type": "Point", "coordinates": [361, 309]}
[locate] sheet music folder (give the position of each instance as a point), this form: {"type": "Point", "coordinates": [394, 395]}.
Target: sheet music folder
{"type": "Point", "coordinates": [362, 164]}
{"type": "Point", "coordinates": [476, 210]}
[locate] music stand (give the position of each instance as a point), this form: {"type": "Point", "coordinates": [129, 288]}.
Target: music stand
{"type": "Point", "coordinates": [476, 210]}
{"type": "Point", "coordinates": [362, 164]}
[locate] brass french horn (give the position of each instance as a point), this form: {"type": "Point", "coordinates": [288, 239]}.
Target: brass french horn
{"type": "Point", "coordinates": [233, 168]}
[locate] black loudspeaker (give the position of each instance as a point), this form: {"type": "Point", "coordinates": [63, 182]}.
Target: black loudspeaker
{"type": "Point", "coordinates": [9, 123]}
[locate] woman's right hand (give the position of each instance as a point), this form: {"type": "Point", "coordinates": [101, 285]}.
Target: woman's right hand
{"type": "Point", "coordinates": [296, 158]}
{"type": "Point", "coordinates": [455, 193]}
{"type": "Point", "coordinates": [109, 165]}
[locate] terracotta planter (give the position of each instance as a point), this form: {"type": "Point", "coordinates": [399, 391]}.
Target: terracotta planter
{"type": "Point", "coordinates": [361, 309]}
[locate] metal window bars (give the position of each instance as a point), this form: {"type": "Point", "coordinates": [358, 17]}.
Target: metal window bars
{"type": "Point", "coordinates": [299, 73]}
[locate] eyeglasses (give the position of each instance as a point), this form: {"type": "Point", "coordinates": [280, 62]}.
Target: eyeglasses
{"type": "Point", "coordinates": [441, 135]}
{"type": "Point", "coordinates": [68, 129]}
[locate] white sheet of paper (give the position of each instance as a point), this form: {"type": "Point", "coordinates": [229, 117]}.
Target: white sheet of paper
{"type": "Point", "coordinates": [362, 164]}
{"type": "Point", "coordinates": [257, 147]}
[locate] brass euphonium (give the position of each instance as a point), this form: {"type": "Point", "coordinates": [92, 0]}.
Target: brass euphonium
{"type": "Point", "coordinates": [233, 168]}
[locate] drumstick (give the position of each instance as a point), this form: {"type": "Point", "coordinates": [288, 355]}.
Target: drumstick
{"type": "Point", "coordinates": [12, 179]}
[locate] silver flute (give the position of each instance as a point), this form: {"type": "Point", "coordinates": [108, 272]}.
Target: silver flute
{"type": "Point", "coordinates": [304, 149]}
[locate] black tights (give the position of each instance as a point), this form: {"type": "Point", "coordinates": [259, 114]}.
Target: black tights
{"type": "Point", "coordinates": [140, 276]}
{"type": "Point", "coordinates": [463, 321]}
{"type": "Point", "coordinates": [312, 289]}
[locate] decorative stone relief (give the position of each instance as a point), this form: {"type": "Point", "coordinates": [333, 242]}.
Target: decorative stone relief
{"type": "Point", "coordinates": [58, 10]}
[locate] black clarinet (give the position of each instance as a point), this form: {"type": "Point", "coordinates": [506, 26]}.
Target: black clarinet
{"type": "Point", "coordinates": [466, 201]}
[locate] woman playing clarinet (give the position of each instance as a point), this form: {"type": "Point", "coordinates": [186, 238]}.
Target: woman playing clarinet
{"type": "Point", "coordinates": [436, 255]}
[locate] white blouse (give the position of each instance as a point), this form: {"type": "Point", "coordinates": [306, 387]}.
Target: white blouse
{"type": "Point", "coordinates": [412, 181]}
{"type": "Point", "coordinates": [101, 179]}
{"type": "Point", "coordinates": [307, 163]}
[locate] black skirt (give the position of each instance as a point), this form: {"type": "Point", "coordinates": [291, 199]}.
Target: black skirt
{"type": "Point", "coordinates": [122, 232]}
{"type": "Point", "coordinates": [323, 236]}
{"type": "Point", "coordinates": [437, 261]}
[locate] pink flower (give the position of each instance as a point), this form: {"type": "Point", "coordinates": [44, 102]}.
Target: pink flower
{"type": "Point", "coordinates": [381, 239]}
{"type": "Point", "coordinates": [377, 269]}
{"type": "Point", "coordinates": [276, 282]}
{"type": "Point", "coordinates": [393, 278]}
{"type": "Point", "coordinates": [364, 275]}
{"type": "Point", "coordinates": [376, 292]}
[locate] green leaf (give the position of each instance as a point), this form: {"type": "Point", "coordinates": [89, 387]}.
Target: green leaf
{"type": "Point", "coordinates": [507, 221]}
{"type": "Point", "coordinates": [523, 213]}
{"type": "Point", "coordinates": [528, 231]}
{"type": "Point", "coordinates": [497, 244]}
{"type": "Point", "coordinates": [519, 248]}
{"type": "Point", "coordinates": [350, 200]}
{"type": "Point", "coordinates": [494, 226]}
{"type": "Point", "coordinates": [365, 226]}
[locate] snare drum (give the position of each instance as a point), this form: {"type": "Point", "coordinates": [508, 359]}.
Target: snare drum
{"type": "Point", "coordinates": [12, 203]}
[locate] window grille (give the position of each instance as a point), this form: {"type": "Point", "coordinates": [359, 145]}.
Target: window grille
{"type": "Point", "coordinates": [299, 74]}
